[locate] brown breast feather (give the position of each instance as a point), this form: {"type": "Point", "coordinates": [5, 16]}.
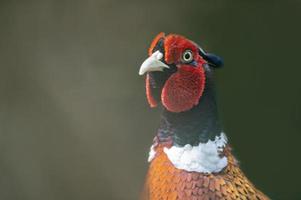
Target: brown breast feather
{"type": "Point", "coordinates": [165, 182]}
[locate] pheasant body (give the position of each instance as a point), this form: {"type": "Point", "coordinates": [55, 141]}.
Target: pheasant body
{"type": "Point", "coordinates": [164, 181]}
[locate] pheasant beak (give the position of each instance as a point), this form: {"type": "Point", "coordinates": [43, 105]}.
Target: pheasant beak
{"type": "Point", "coordinates": [153, 63]}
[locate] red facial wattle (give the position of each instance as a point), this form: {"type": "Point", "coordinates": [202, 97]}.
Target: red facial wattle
{"type": "Point", "coordinates": [150, 98]}
{"type": "Point", "coordinates": [183, 89]}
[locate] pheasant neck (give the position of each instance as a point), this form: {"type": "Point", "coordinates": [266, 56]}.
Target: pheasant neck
{"type": "Point", "coordinates": [195, 126]}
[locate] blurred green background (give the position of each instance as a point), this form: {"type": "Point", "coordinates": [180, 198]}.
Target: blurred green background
{"type": "Point", "coordinates": [74, 121]}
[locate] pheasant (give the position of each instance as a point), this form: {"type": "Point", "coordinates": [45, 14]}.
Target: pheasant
{"type": "Point", "coordinates": [190, 158]}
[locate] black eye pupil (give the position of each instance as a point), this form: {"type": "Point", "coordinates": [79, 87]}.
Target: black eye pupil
{"type": "Point", "coordinates": [187, 56]}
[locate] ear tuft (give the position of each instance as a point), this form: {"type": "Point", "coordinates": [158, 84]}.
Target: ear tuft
{"type": "Point", "coordinates": [212, 59]}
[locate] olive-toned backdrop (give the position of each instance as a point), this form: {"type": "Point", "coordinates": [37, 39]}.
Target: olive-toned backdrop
{"type": "Point", "coordinates": [74, 122]}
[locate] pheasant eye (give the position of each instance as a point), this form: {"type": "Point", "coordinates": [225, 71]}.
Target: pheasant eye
{"type": "Point", "coordinates": [187, 56]}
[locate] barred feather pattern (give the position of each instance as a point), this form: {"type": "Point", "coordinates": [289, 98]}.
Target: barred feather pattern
{"type": "Point", "coordinates": [165, 182]}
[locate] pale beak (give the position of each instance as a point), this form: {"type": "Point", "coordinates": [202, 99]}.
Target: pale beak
{"type": "Point", "coordinates": [153, 63]}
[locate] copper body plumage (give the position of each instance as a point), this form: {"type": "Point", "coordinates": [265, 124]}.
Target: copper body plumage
{"type": "Point", "coordinates": [165, 182]}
